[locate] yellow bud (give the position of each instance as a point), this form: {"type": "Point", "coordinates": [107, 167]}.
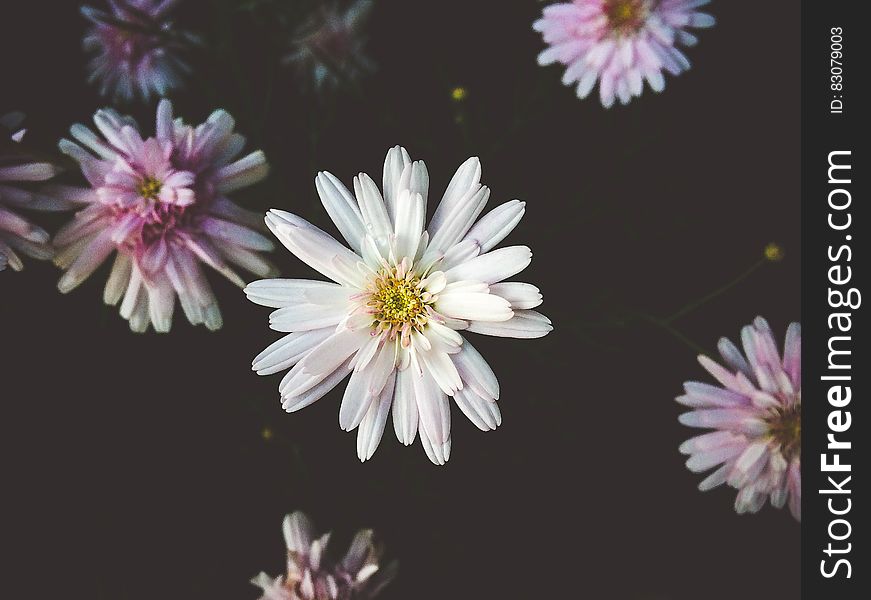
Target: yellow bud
{"type": "Point", "coordinates": [773, 252]}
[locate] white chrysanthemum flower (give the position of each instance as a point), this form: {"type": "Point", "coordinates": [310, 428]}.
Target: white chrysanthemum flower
{"type": "Point", "coordinates": [400, 296]}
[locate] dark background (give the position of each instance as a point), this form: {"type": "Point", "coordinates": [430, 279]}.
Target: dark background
{"type": "Point", "coordinates": [135, 467]}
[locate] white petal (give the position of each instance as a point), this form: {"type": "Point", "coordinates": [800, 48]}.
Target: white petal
{"type": "Point", "coordinates": [466, 180]}
{"type": "Point", "coordinates": [287, 351]}
{"type": "Point", "coordinates": [474, 306]}
{"type": "Point", "coordinates": [299, 532]}
{"type": "Point", "coordinates": [306, 317]}
{"type": "Point", "coordinates": [520, 295]}
{"type": "Point", "coordinates": [494, 266]}
{"type": "Point", "coordinates": [90, 139]}
{"type": "Point", "coordinates": [442, 370]}
{"type": "Point", "coordinates": [480, 411]}
{"type": "Point", "coordinates": [313, 246]}
{"type": "Point", "coordinates": [405, 414]}
{"type": "Point", "coordinates": [459, 220]}
{"type": "Point", "coordinates": [715, 479]}
{"type": "Point", "coordinates": [161, 302]}
{"type": "Point", "coordinates": [475, 372]}
{"type": "Point", "coordinates": [433, 407]}
{"type": "Point", "coordinates": [525, 324]}
{"type": "Point", "coordinates": [372, 427]}
{"type": "Point", "coordinates": [236, 234]}
{"type": "Point", "coordinates": [356, 401]}
{"type": "Point", "coordinates": [279, 293]}
{"type": "Point", "coordinates": [207, 253]}
{"type": "Point", "coordinates": [444, 336]}
{"type": "Point", "coordinates": [249, 260]}
{"type": "Point", "coordinates": [118, 279]}
{"type": "Point", "coordinates": [323, 360]}
{"type": "Point", "coordinates": [372, 208]}
{"type": "Point", "coordinates": [365, 385]}
{"type": "Point", "coordinates": [87, 262]}
{"type": "Point", "coordinates": [495, 226]}
{"type": "Point", "coordinates": [435, 283]}
{"type": "Point", "coordinates": [460, 253]}
{"type": "Point", "coordinates": [164, 129]}
{"type": "Point", "coordinates": [342, 208]}
{"type": "Point", "coordinates": [409, 220]}
{"type": "Point", "coordinates": [242, 173]}
{"type": "Point", "coordinates": [317, 391]}
{"type": "Point", "coordinates": [436, 452]}
{"type": "Point", "coordinates": [394, 165]}
{"type": "Point", "coordinates": [415, 179]}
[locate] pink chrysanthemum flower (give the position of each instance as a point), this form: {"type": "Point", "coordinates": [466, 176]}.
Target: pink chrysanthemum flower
{"type": "Point", "coordinates": [757, 417]}
{"type": "Point", "coordinates": [20, 168]}
{"type": "Point", "coordinates": [619, 43]}
{"type": "Point", "coordinates": [329, 47]}
{"type": "Point", "coordinates": [400, 296]}
{"type": "Point", "coordinates": [136, 49]}
{"type": "Point", "coordinates": [311, 575]}
{"type": "Point", "coordinates": [161, 204]}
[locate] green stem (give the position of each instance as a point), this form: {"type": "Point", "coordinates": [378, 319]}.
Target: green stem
{"type": "Point", "coordinates": [705, 299]}
{"type": "Point", "coordinates": [666, 326]}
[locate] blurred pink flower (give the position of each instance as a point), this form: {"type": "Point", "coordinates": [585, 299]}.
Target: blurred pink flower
{"type": "Point", "coordinates": [136, 49]}
{"type": "Point", "coordinates": [619, 43]}
{"type": "Point", "coordinates": [161, 204]}
{"type": "Point", "coordinates": [402, 294]}
{"type": "Point", "coordinates": [757, 418]}
{"type": "Point", "coordinates": [328, 47]}
{"type": "Point", "coordinates": [311, 575]}
{"type": "Point", "coordinates": [19, 167]}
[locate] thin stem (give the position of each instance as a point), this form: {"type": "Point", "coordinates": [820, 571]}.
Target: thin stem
{"type": "Point", "coordinates": [666, 323]}
{"type": "Point", "coordinates": [666, 326]}
{"type": "Point", "coordinates": [705, 299]}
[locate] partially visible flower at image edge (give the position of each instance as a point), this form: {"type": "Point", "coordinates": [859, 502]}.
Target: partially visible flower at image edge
{"type": "Point", "coordinates": [18, 171]}
{"type": "Point", "coordinates": [401, 295]}
{"type": "Point", "coordinates": [619, 43]}
{"type": "Point", "coordinates": [328, 48]}
{"type": "Point", "coordinates": [161, 204]}
{"type": "Point", "coordinates": [757, 417]}
{"type": "Point", "coordinates": [136, 49]}
{"type": "Point", "coordinates": [313, 575]}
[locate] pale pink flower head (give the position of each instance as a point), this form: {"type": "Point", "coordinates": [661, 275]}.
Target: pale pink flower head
{"type": "Point", "coordinates": [619, 43]}
{"type": "Point", "coordinates": [328, 49]}
{"type": "Point", "coordinates": [18, 170]}
{"type": "Point", "coordinates": [313, 575]}
{"type": "Point", "coordinates": [402, 293]}
{"type": "Point", "coordinates": [161, 204]}
{"type": "Point", "coordinates": [756, 415]}
{"type": "Point", "coordinates": [136, 50]}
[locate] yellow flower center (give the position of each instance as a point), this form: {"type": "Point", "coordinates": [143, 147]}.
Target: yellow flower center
{"type": "Point", "coordinates": [398, 301]}
{"type": "Point", "coordinates": [627, 16]}
{"type": "Point", "coordinates": [150, 188]}
{"type": "Point", "coordinates": [785, 429]}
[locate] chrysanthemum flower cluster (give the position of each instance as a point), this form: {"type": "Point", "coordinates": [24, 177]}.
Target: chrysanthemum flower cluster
{"type": "Point", "coordinates": [313, 575]}
{"type": "Point", "coordinates": [136, 50]}
{"type": "Point", "coordinates": [18, 170]}
{"type": "Point", "coordinates": [328, 47]}
{"type": "Point", "coordinates": [756, 418]}
{"type": "Point", "coordinates": [619, 43]}
{"type": "Point", "coordinates": [160, 204]}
